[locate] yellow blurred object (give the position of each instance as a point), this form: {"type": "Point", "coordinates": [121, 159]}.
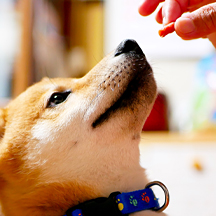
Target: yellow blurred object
{"type": "Point", "coordinates": [197, 164]}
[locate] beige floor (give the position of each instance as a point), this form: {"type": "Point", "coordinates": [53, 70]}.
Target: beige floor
{"type": "Point", "coordinates": [186, 164]}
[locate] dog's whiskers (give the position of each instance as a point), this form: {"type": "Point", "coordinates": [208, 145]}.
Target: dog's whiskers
{"type": "Point", "coordinates": [99, 86]}
{"type": "Point", "coordinates": [112, 88]}
{"type": "Point", "coordinates": [93, 101]}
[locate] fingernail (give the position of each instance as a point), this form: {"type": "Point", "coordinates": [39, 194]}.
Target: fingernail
{"type": "Point", "coordinates": [186, 25]}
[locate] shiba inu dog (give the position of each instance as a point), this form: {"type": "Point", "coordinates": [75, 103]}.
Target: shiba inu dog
{"type": "Point", "coordinates": [64, 141]}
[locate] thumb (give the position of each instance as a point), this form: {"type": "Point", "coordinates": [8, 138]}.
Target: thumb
{"type": "Point", "coordinates": [197, 24]}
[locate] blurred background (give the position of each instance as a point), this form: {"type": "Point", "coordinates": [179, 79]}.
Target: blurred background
{"type": "Point", "coordinates": [66, 38]}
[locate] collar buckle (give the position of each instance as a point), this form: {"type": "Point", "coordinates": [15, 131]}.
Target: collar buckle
{"type": "Point", "coordinates": [166, 193]}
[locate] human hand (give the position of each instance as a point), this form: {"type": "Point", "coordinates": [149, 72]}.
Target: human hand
{"type": "Point", "coordinates": [199, 22]}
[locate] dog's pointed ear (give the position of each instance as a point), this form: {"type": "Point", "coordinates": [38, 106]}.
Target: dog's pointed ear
{"type": "Point", "coordinates": [2, 122]}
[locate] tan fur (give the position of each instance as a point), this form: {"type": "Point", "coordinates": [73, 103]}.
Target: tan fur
{"type": "Point", "coordinates": [52, 158]}
{"type": "Point", "coordinates": [42, 200]}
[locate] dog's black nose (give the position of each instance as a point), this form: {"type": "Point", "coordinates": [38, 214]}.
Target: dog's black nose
{"type": "Point", "coordinates": [127, 46]}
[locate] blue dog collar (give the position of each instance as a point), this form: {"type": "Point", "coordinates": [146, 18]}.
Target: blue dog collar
{"type": "Point", "coordinates": [118, 204]}
{"type": "Point", "coordinates": [137, 201]}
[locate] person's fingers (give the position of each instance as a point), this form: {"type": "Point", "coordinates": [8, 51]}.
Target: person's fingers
{"type": "Point", "coordinates": [197, 24]}
{"type": "Point", "coordinates": [212, 38]}
{"type": "Point", "coordinates": [159, 17]}
{"type": "Point", "coordinates": [195, 4]}
{"type": "Point", "coordinates": [173, 9]}
{"type": "Point", "coordinates": [148, 6]}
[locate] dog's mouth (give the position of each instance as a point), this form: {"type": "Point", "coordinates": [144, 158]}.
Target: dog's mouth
{"type": "Point", "coordinates": [134, 72]}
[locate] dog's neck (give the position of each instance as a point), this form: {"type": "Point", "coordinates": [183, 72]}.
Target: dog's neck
{"type": "Point", "coordinates": [55, 198]}
{"type": "Point", "coordinates": [51, 199]}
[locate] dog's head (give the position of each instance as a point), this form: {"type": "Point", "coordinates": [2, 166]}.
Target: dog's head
{"type": "Point", "coordinates": [75, 138]}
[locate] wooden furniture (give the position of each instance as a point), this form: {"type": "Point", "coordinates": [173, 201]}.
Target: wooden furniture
{"type": "Point", "coordinates": [23, 65]}
{"type": "Point", "coordinates": [81, 26]}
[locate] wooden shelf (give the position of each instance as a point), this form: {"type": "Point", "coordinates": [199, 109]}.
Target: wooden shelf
{"type": "Point", "coordinates": [176, 137]}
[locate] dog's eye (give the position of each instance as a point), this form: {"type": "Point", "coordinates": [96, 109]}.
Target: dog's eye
{"type": "Point", "coordinates": [57, 98]}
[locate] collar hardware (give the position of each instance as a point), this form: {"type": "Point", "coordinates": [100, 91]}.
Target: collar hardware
{"type": "Point", "coordinates": [166, 193]}
{"type": "Point", "coordinates": [119, 204]}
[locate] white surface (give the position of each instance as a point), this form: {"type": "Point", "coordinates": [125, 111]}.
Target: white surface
{"type": "Point", "coordinates": [192, 192]}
